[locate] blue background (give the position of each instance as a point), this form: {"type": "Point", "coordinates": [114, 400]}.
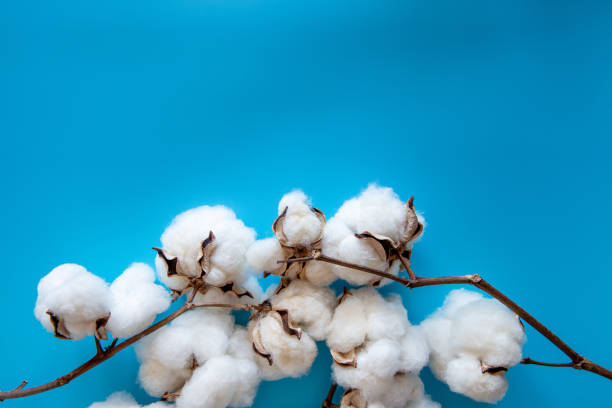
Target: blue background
{"type": "Point", "coordinates": [117, 115]}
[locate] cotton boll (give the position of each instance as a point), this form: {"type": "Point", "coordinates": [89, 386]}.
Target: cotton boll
{"type": "Point", "coordinates": [221, 382]}
{"type": "Point", "coordinates": [455, 300]}
{"type": "Point", "coordinates": [295, 201]}
{"type": "Point", "coordinates": [358, 251]}
{"type": "Point", "coordinates": [464, 376]}
{"type": "Point", "coordinates": [157, 379]}
{"type": "Point", "coordinates": [291, 356]}
{"type": "Point", "coordinates": [377, 210]}
{"type": "Point", "coordinates": [300, 224]}
{"type": "Point", "coordinates": [348, 326]}
{"type": "Point", "coordinates": [135, 301]}
{"type": "Point", "coordinates": [183, 239]}
{"type": "Point", "coordinates": [75, 296]}
{"type": "Point", "coordinates": [310, 307]}
{"type": "Point", "coordinates": [254, 288]}
{"type": "Point", "coordinates": [380, 358]}
{"type": "Point", "coordinates": [120, 399]}
{"type": "Point", "coordinates": [264, 254]}
{"type": "Point", "coordinates": [239, 345]}
{"type": "Point", "coordinates": [490, 331]}
{"type": "Point", "coordinates": [414, 351]}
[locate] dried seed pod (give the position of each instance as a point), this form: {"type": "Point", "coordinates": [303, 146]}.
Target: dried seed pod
{"type": "Point", "coordinates": [353, 399]}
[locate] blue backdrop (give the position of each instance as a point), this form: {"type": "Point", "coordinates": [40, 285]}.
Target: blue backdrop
{"type": "Point", "coordinates": [117, 115]}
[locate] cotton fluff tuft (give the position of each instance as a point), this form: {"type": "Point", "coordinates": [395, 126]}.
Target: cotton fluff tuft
{"type": "Point", "coordinates": [222, 381]}
{"type": "Point", "coordinates": [189, 341]}
{"type": "Point", "coordinates": [278, 353]}
{"type": "Point", "coordinates": [122, 399]}
{"type": "Point", "coordinates": [310, 307]}
{"type": "Point", "coordinates": [301, 225]}
{"type": "Point", "coordinates": [183, 239]}
{"type": "Point", "coordinates": [468, 334]}
{"type": "Point", "coordinates": [75, 296]}
{"type": "Point", "coordinates": [135, 300]}
{"type": "Point", "coordinates": [388, 351]}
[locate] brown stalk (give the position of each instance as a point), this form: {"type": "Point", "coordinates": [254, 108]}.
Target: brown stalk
{"type": "Point", "coordinates": [328, 403]}
{"type": "Point", "coordinates": [103, 355]}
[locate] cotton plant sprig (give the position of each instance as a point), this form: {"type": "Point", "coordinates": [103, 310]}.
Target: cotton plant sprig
{"type": "Point", "coordinates": [198, 357]}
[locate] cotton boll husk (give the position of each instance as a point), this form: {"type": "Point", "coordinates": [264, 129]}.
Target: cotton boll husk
{"type": "Point", "coordinates": [136, 301]}
{"type": "Point", "coordinates": [490, 331]}
{"type": "Point", "coordinates": [263, 255]}
{"type": "Point", "coordinates": [464, 376]}
{"type": "Point", "coordinates": [292, 357]}
{"type": "Point", "coordinates": [174, 282]}
{"type": "Point", "coordinates": [348, 326]}
{"type": "Point", "coordinates": [120, 399]}
{"type": "Point", "coordinates": [157, 379]}
{"type": "Point", "coordinates": [310, 307]}
{"type": "Point", "coordinates": [221, 382]}
{"type": "Point", "coordinates": [75, 296]}
{"type": "Point", "coordinates": [184, 236]}
{"type": "Point", "coordinates": [414, 351]}
{"type": "Point", "coordinates": [358, 251]}
{"type": "Point", "coordinates": [377, 210]}
{"type": "Point", "coordinates": [424, 402]}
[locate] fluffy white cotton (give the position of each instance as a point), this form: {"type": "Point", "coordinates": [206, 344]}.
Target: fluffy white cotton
{"type": "Point", "coordinates": [318, 273]}
{"type": "Point", "coordinates": [222, 381]}
{"type": "Point", "coordinates": [384, 352]}
{"type": "Point", "coordinates": [361, 252]}
{"type": "Point", "coordinates": [424, 402]}
{"type": "Point", "coordinates": [264, 254]}
{"type": "Point", "coordinates": [183, 239]}
{"type": "Point", "coordinates": [289, 355]}
{"type": "Point", "coordinates": [135, 300]}
{"type": "Point", "coordinates": [377, 210]}
{"type": "Point", "coordinates": [189, 341]}
{"type": "Point", "coordinates": [122, 399]}
{"type": "Point", "coordinates": [310, 307]}
{"type": "Point", "coordinates": [469, 333]}
{"type": "Point", "coordinates": [464, 376]}
{"type": "Point", "coordinates": [348, 326]}
{"type": "Point", "coordinates": [75, 296]}
{"type": "Point", "coordinates": [301, 226]}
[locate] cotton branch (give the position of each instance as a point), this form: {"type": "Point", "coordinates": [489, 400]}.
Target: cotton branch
{"type": "Point", "coordinates": [578, 361]}
{"type": "Point", "coordinates": [328, 403]}
{"type": "Point", "coordinates": [104, 354]}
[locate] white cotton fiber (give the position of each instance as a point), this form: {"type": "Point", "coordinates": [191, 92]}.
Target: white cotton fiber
{"type": "Point", "coordinates": [291, 356]}
{"type": "Point", "coordinates": [469, 333]}
{"type": "Point", "coordinates": [464, 376]}
{"type": "Point", "coordinates": [135, 301]}
{"type": "Point", "coordinates": [318, 273]}
{"type": "Point", "coordinates": [377, 210]}
{"type": "Point", "coordinates": [75, 296]}
{"type": "Point", "coordinates": [358, 251]}
{"type": "Point", "coordinates": [310, 307]}
{"type": "Point", "coordinates": [348, 326]}
{"type": "Point", "coordinates": [414, 351]}
{"type": "Point", "coordinates": [424, 402]}
{"type": "Point", "coordinates": [222, 381]}
{"type": "Point", "coordinates": [157, 379]}
{"type": "Point", "coordinates": [120, 399]}
{"type": "Point", "coordinates": [301, 226]}
{"type": "Point", "coordinates": [263, 254]}
{"type": "Point", "coordinates": [183, 239]}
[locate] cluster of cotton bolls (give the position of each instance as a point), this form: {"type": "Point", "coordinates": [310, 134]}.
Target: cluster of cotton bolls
{"type": "Point", "coordinates": [473, 342]}
{"type": "Point", "coordinates": [73, 302]}
{"type": "Point", "coordinates": [376, 350]}
{"type": "Point", "coordinates": [203, 359]}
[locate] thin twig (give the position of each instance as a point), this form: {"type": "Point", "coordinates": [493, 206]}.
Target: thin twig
{"type": "Point", "coordinates": [527, 360]}
{"type": "Point", "coordinates": [406, 265]}
{"type": "Point", "coordinates": [99, 357]}
{"type": "Point", "coordinates": [99, 349]}
{"type": "Point", "coordinates": [328, 403]}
